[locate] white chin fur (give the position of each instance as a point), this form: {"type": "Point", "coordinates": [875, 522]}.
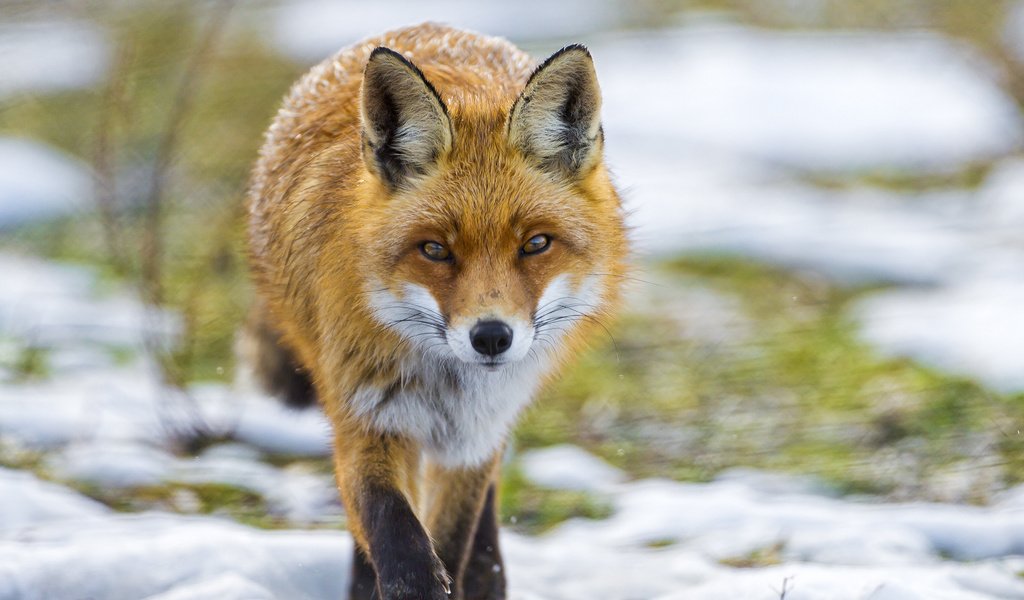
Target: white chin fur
{"type": "Point", "coordinates": [461, 410]}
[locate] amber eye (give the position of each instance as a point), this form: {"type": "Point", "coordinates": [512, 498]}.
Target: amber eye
{"type": "Point", "coordinates": [435, 251]}
{"type": "Point", "coordinates": [536, 244]}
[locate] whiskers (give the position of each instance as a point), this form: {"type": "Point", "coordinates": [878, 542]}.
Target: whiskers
{"type": "Point", "coordinates": [418, 324]}
{"type": "Point", "coordinates": [554, 318]}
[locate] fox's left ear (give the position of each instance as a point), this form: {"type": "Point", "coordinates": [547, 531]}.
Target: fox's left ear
{"type": "Point", "coordinates": [557, 118]}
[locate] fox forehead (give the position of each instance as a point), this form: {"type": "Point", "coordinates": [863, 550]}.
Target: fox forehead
{"type": "Point", "coordinates": [489, 199]}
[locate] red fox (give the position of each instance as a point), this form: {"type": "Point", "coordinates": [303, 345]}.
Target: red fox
{"type": "Point", "coordinates": [432, 233]}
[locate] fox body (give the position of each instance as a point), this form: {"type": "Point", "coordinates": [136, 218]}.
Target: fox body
{"type": "Point", "coordinates": [432, 234]}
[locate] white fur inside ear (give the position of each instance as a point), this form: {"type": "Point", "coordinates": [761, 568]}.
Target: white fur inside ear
{"type": "Point", "coordinates": [557, 118]}
{"type": "Point", "coordinates": [405, 125]}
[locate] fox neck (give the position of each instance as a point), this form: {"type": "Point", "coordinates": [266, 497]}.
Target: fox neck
{"type": "Point", "coordinates": [460, 414]}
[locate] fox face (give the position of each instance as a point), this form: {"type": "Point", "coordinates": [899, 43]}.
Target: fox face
{"type": "Point", "coordinates": [499, 231]}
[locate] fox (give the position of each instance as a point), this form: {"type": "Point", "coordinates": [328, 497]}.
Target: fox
{"type": "Point", "coordinates": [432, 235]}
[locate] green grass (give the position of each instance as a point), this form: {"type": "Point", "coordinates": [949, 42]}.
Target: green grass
{"type": "Point", "coordinates": [238, 504]}
{"type": "Point", "coordinates": [799, 393]}
{"type": "Point", "coordinates": [531, 509]}
{"type": "Point", "coordinates": [760, 558]}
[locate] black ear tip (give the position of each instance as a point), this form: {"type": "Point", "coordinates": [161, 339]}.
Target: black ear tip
{"type": "Point", "coordinates": [575, 48]}
{"type": "Point", "coordinates": [379, 50]}
{"type": "Point", "coordinates": [384, 53]}
{"type": "Point", "coordinates": [578, 49]}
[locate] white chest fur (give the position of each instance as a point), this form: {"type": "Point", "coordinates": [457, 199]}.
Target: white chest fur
{"type": "Point", "coordinates": [459, 413]}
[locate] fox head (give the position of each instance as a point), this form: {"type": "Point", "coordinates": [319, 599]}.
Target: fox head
{"type": "Point", "coordinates": [492, 232]}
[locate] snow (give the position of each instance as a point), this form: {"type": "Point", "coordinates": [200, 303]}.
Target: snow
{"type": "Point", "coordinates": [50, 305]}
{"type": "Point", "coordinates": [739, 114]}
{"type": "Point", "coordinates": [568, 467]}
{"type": "Point", "coordinates": [139, 556]}
{"type": "Point", "coordinates": [51, 56]}
{"type": "Point", "coordinates": [834, 101]}
{"type": "Point", "coordinates": [973, 328]}
{"type": "Point", "coordinates": [29, 501]}
{"type": "Point", "coordinates": [1013, 30]}
{"type": "Point", "coordinates": [25, 196]}
{"type": "Point", "coordinates": [310, 30]}
{"type": "Point", "coordinates": [827, 548]}
{"type": "Point", "coordinates": [688, 203]}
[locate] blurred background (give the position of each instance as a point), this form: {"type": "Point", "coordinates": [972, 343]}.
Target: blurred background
{"type": "Point", "coordinates": [828, 202]}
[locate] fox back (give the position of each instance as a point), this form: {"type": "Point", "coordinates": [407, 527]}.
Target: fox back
{"type": "Point", "coordinates": [433, 232]}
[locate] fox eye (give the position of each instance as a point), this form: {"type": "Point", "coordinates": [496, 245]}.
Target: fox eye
{"type": "Point", "coordinates": [536, 244]}
{"type": "Point", "coordinates": [435, 251]}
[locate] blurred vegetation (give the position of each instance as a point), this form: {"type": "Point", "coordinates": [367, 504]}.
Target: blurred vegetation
{"type": "Point", "coordinates": [792, 390]}
{"type": "Point", "coordinates": [531, 509]}
{"type": "Point", "coordinates": [203, 97]}
{"type": "Point", "coordinates": [784, 385]}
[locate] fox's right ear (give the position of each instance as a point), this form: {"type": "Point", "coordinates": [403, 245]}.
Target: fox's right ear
{"type": "Point", "coordinates": [557, 119]}
{"type": "Point", "coordinates": [406, 127]}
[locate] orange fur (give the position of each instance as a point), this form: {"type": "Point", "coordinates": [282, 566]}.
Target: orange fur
{"type": "Point", "coordinates": [325, 228]}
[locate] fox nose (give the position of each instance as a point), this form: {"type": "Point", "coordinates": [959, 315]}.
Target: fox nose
{"type": "Point", "coordinates": [491, 338]}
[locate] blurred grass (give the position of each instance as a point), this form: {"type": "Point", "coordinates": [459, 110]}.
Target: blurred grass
{"type": "Point", "coordinates": [238, 504]}
{"type": "Point", "coordinates": [798, 392]}
{"type": "Point", "coordinates": [791, 389]}
{"type": "Point", "coordinates": [202, 268]}
{"type": "Point", "coordinates": [531, 509]}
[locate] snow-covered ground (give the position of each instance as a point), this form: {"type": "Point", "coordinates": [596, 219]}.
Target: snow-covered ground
{"type": "Point", "coordinates": [48, 56]}
{"type": "Point", "coordinates": [26, 197]}
{"type": "Point", "coordinates": [746, 535]}
{"type": "Point", "coordinates": [666, 540]}
{"type": "Point", "coordinates": [309, 30]}
{"type": "Point", "coordinates": [710, 128]}
{"type": "Point", "coordinates": [836, 101]}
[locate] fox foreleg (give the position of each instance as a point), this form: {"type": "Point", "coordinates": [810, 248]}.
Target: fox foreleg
{"type": "Point", "coordinates": [371, 474]}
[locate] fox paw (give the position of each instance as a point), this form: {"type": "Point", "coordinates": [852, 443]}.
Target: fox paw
{"type": "Point", "coordinates": [428, 583]}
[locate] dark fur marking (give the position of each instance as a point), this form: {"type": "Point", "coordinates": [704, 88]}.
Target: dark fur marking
{"type": "Point", "coordinates": [279, 371]}
{"type": "Point", "coordinates": [364, 577]}
{"type": "Point", "coordinates": [400, 550]}
{"type": "Point", "coordinates": [387, 119]}
{"type": "Point", "coordinates": [484, 578]}
{"type": "Point", "coordinates": [574, 115]}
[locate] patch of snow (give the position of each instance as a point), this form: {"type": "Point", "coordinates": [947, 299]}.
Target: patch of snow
{"type": "Point", "coordinates": [112, 464]}
{"type": "Point", "coordinates": [1013, 29]}
{"type": "Point", "coordinates": [311, 30]}
{"type": "Point", "coordinates": [960, 251]}
{"type": "Point", "coordinates": [297, 494]}
{"type": "Point", "coordinates": [568, 467]}
{"type": "Point", "coordinates": [51, 56]}
{"type": "Point", "coordinates": [707, 129]}
{"type": "Point", "coordinates": [701, 515]}
{"type": "Point", "coordinates": [833, 101]}
{"type": "Point", "coordinates": [29, 501]}
{"type": "Point", "coordinates": [268, 424]}
{"type": "Point", "coordinates": [683, 202]}
{"type": "Point", "coordinates": [973, 328]}
{"type": "Point", "coordinates": [38, 182]}
{"type": "Point", "coordinates": [227, 586]}
{"type": "Point", "coordinates": [769, 483]}
{"type": "Point", "coordinates": [129, 557]}
{"type": "Point", "coordinates": [828, 548]}
{"type": "Point", "coordinates": [1002, 207]}
{"type": "Point", "coordinates": [50, 305]}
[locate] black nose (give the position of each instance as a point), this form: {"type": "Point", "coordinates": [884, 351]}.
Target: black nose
{"type": "Point", "coordinates": [491, 338]}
